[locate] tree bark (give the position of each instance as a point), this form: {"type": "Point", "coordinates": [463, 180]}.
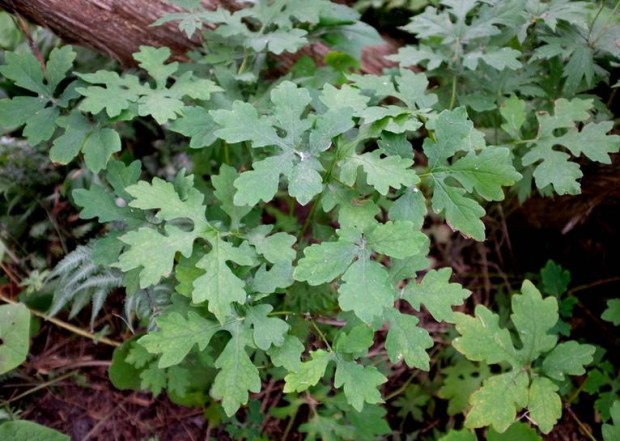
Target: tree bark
{"type": "Point", "coordinates": [115, 28]}
{"type": "Point", "coordinates": [118, 28]}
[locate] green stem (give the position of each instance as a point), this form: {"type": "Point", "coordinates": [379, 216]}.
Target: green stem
{"type": "Point", "coordinates": [289, 425]}
{"type": "Point", "coordinates": [67, 326]}
{"type": "Point", "coordinates": [226, 153]}
{"type": "Point", "coordinates": [327, 180]}
{"type": "Point", "coordinates": [282, 313]}
{"type": "Point", "coordinates": [244, 63]}
{"type": "Point", "coordinates": [318, 330]}
{"type": "Point", "coordinates": [453, 96]}
{"type": "Point", "coordinates": [403, 387]}
{"type": "Point", "coordinates": [309, 218]}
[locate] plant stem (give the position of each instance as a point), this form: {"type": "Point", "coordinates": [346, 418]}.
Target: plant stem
{"type": "Point", "coordinates": [582, 426]}
{"type": "Point", "coordinates": [321, 335]}
{"type": "Point", "coordinates": [309, 218]}
{"type": "Point", "coordinates": [67, 326]}
{"type": "Point", "coordinates": [453, 95]}
{"type": "Point", "coordinates": [289, 425]}
{"type": "Point", "coordinates": [38, 387]}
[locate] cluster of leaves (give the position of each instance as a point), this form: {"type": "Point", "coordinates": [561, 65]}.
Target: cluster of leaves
{"type": "Point", "coordinates": [228, 301]}
{"type": "Point", "coordinates": [513, 57]}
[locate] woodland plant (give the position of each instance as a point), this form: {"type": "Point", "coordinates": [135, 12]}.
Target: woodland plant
{"type": "Point", "coordinates": [292, 244]}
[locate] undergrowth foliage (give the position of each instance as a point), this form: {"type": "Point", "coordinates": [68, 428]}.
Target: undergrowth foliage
{"type": "Point", "coordinates": [348, 169]}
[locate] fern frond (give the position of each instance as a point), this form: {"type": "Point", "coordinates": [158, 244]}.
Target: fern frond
{"type": "Point", "coordinates": [79, 281]}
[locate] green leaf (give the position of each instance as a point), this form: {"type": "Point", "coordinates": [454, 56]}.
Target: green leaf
{"type": "Point", "coordinates": [534, 318]}
{"type": "Point", "coordinates": [462, 213]}
{"type": "Point", "coordinates": [544, 404]}
{"type": "Point", "coordinates": [41, 126]}
{"type": "Point", "coordinates": [553, 166]}
{"type": "Point", "coordinates": [138, 356]}
{"type": "Point", "coordinates": [513, 112]}
{"type": "Point", "coordinates": [164, 197]}
{"type": "Point", "coordinates": [153, 379]}
{"type": "Point", "coordinates": [366, 290]}
{"type": "Point", "coordinates": [177, 335]}
{"type": "Point", "coordinates": [310, 372]}
{"type": "Point", "coordinates": [219, 285]}
{"type": "Point", "coordinates": [411, 206]}
{"type": "Point", "coordinates": [262, 182]}
{"type": "Point", "coordinates": [160, 106]}
{"type": "Point", "coordinates": [14, 336]}
{"type": "Point", "coordinates": [326, 429]}
{"type": "Point", "coordinates": [97, 202]}
{"type": "Point", "coordinates": [305, 181]}
{"type": "Point", "coordinates": [611, 432]}
{"type": "Point", "coordinates": [462, 379]}
{"type": "Point", "coordinates": [329, 125]}
{"type": "Point", "coordinates": [323, 263]}
{"type": "Point", "coordinates": [153, 61]}
{"type": "Point", "coordinates": [437, 294]}
{"type": "Point", "coordinates": [381, 173]}
{"type": "Point", "coordinates": [359, 383]}
{"type": "Point", "coordinates": [351, 39]}
{"type": "Point", "coordinates": [516, 432]}
{"type": "Point", "coordinates": [497, 402]}
{"type": "Point", "coordinates": [29, 431]}
{"type": "Point", "coordinates": [357, 341]}
{"type": "Point", "coordinates": [68, 146]}
{"type": "Point", "coordinates": [398, 239]}
{"type": "Point", "coordinates": [482, 339]}
{"type": "Point", "coordinates": [155, 265]}
{"type": "Point", "coordinates": [412, 88]}
{"type": "Point", "coordinates": [288, 355]}
{"type": "Point", "coordinates": [555, 169]}
{"type": "Point", "coordinates": [124, 375]}
{"type": "Point", "coordinates": [242, 123]}
{"type": "Point", "coordinates": [612, 313]}
{"type": "Point", "coordinates": [267, 331]}
{"type": "Point", "coordinates": [580, 66]}
{"type": "Point", "coordinates": [555, 279]}
{"type": "Point", "coordinates": [407, 341]}
{"type": "Point", "coordinates": [99, 146]}
{"type": "Point", "coordinates": [459, 435]}
{"type": "Point", "coordinates": [454, 132]}
{"type": "Point", "coordinates": [121, 176]}
{"type": "Point", "coordinates": [413, 401]}
{"type": "Point", "coordinates": [396, 144]}
{"type": "Point", "coordinates": [115, 97]}
{"type": "Point", "coordinates": [16, 111]}
{"type": "Point", "coordinates": [345, 96]}
{"type": "Point", "coordinates": [277, 248]}
{"type": "Point", "coordinates": [499, 58]}
{"type": "Point", "coordinates": [486, 172]}
{"type": "Point", "coordinates": [25, 70]}
{"type": "Point", "coordinates": [225, 193]}
{"type": "Point", "coordinates": [237, 375]}
{"type": "Point", "coordinates": [279, 276]}
{"type": "Point", "coordinates": [290, 102]}
{"type": "Point", "coordinates": [59, 63]}
{"type": "Point", "coordinates": [592, 141]}
{"type": "Point", "coordinates": [370, 423]}
{"type": "Point", "coordinates": [197, 124]}
{"type": "Point", "coordinates": [567, 358]}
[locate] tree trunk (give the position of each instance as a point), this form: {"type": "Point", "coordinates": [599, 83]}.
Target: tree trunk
{"type": "Point", "coordinates": [118, 28]}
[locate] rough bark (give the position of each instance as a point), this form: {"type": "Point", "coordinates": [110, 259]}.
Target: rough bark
{"type": "Point", "coordinates": [113, 27]}
{"type": "Point", "coordinates": [118, 28]}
